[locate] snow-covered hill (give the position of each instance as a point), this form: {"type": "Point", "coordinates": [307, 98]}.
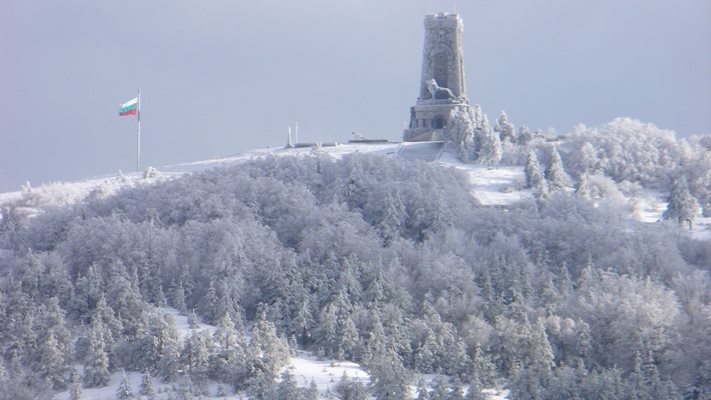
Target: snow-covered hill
{"type": "Point", "coordinates": [297, 217]}
{"type": "Point", "coordinates": [491, 186]}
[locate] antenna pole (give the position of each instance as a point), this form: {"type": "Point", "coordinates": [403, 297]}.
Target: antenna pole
{"type": "Point", "coordinates": [138, 139]}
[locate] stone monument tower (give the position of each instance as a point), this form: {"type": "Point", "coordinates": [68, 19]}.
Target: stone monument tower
{"type": "Point", "coordinates": [442, 85]}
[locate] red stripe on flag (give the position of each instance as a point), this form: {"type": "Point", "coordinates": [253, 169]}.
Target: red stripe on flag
{"type": "Point", "coordinates": [129, 112]}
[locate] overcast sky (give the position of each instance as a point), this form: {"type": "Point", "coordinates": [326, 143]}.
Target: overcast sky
{"type": "Point", "coordinates": [220, 77]}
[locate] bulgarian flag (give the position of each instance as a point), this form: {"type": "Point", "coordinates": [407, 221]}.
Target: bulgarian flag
{"type": "Point", "coordinates": [129, 108]}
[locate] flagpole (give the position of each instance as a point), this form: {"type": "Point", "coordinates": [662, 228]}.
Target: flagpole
{"type": "Point", "coordinates": [138, 141]}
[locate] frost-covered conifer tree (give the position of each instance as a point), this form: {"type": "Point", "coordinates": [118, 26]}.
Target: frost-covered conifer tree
{"type": "Point", "coordinates": [147, 389]}
{"type": "Point", "coordinates": [440, 390]}
{"type": "Point", "coordinates": [87, 292]}
{"type": "Point", "coordinates": [425, 358]}
{"type": "Point", "coordinates": [488, 145]}
{"type": "Point", "coordinates": [532, 170]}
{"type": "Point", "coordinates": [113, 326]}
{"type": "Point", "coordinates": [228, 362]}
{"type": "Point", "coordinates": [588, 158]}
{"type": "Point", "coordinates": [287, 389]}
{"type": "Point", "coordinates": [455, 391]}
{"type": "Point", "coordinates": [460, 131]}
{"type": "Point", "coordinates": [555, 175]}
{"type": "Point", "coordinates": [54, 352]}
{"type": "Point", "coordinates": [124, 391]}
{"type": "Point", "coordinates": [328, 329]}
{"type": "Point", "coordinates": [348, 389]}
{"type": "Point", "coordinates": [541, 354]}
{"type": "Point", "coordinates": [51, 363]}
{"type": "Point", "coordinates": [74, 385]}
{"type": "Point", "coordinates": [389, 377]}
{"type": "Point", "coordinates": [208, 304]}
{"type": "Point", "coordinates": [582, 187]}
{"type": "Point", "coordinates": [505, 129]}
{"type": "Point", "coordinates": [524, 135]}
{"type": "Point", "coordinates": [483, 369]}
{"type": "Point", "coordinates": [261, 385]}
{"type": "Point", "coordinates": [349, 341]}
{"type": "Point", "coordinates": [96, 371]}
{"type": "Point", "coordinates": [165, 349]}
{"type": "Point", "coordinates": [124, 297]}
{"type": "Point", "coordinates": [195, 356]}
{"type": "Point", "coordinates": [422, 391]}
{"type": "Point", "coordinates": [310, 393]}
{"type": "Point", "coordinates": [475, 390]}
{"type": "Point", "coordinates": [269, 349]}
{"type": "Point", "coordinates": [681, 207]}
{"type": "Point", "coordinates": [177, 295]}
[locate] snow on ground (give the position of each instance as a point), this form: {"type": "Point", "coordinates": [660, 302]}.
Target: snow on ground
{"type": "Point", "coordinates": [701, 229]}
{"type": "Point", "coordinates": [496, 186]}
{"type": "Point", "coordinates": [182, 325]}
{"type": "Point", "coordinates": [649, 207]}
{"type": "Point", "coordinates": [496, 395]}
{"type": "Point", "coordinates": [108, 392]}
{"type": "Point", "coordinates": [326, 373]}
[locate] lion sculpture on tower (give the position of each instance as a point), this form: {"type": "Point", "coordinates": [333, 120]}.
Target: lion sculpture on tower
{"type": "Point", "coordinates": [438, 92]}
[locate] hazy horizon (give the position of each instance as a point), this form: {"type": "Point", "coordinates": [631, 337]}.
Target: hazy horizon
{"type": "Point", "coordinates": [226, 77]}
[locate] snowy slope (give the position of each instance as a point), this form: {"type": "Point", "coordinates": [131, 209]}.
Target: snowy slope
{"type": "Point", "coordinates": [500, 186]}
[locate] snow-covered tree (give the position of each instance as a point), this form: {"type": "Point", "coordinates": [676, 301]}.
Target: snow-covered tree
{"type": "Point", "coordinates": [487, 144]}
{"type": "Point", "coordinates": [533, 170]}
{"type": "Point", "coordinates": [74, 385]}
{"type": "Point", "coordinates": [164, 349]}
{"type": "Point", "coordinates": [440, 390]}
{"type": "Point", "coordinates": [96, 370]}
{"type": "Point", "coordinates": [388, 376]}
{"type": "Point", "coordinates": [261, 385]}
{"type": "Point", "coordinates": [229, 360]}
{"type": "Point", "coordinates": [588, 159]}
{"type": "Point", "coordinates": [310, 393]}
{"type": "Point", "coordinates": [475, 391]}
{"type": "Point", "coordinates": [348, 389]}
{"type": "Point", "coordinates": [456, 392]}
{"type": "Point", "coordinates": [582, 187]}
{"type": "Point", "coordinates": [555, 174]}
{"type": "Point", "coordinates": [270, 350]}
{"type": "Point", "coordinates": [524, 135]}
{"type": "Point", "coordinates": [52, 363]}
{"type": "Point", "coordinates": [287, 388]}
{"type": "Point", "coordinates": [505, 129]}
{"type": "Point", "coordinates": [534, 178]}
{"type": "Point", "coordinates": [147, 389]}
{"type": "Point", "coordinates": [460, 131]}
{"type": "Point", "coordinates": [124, 391]}
{"type": "Point", "coordinates": [681, 206]}
{"type": "Point", "coordinates": [422, 390]}
{"type": "Point", "coordinates": [208, 306]}
{"type": "Point", "coordinates": [195, 356]}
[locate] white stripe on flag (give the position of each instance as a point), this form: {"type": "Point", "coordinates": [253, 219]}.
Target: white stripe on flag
{"type": "Point", "coordinates": [130, 102]}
